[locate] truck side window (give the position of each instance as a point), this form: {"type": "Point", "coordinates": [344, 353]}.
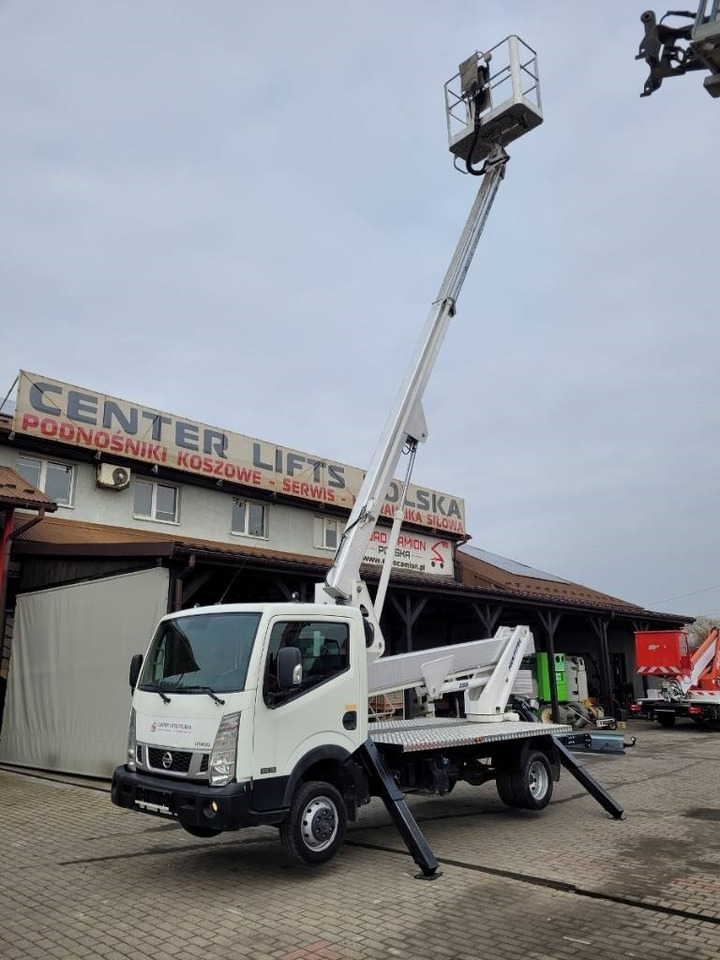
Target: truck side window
{"type": "Point", "coordinates": [325, 654]}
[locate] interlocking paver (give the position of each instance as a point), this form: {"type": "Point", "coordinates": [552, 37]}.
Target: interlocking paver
{"type": "Point", "coordinates": [81, 878]}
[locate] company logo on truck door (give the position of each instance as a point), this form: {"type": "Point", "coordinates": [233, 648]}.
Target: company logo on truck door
{"type": "Point", "coordinates": [77, 417]}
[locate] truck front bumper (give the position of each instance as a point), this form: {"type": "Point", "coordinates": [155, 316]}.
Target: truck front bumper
{"type": "Point", "coordinates": [193, 804]}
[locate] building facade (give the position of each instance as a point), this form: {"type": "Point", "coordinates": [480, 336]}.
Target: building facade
{"type": "Point", "coordinates": [155, 513]}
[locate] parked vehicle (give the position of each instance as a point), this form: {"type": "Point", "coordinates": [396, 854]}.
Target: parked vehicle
{"type": "Point", "coordinates": [689, 683]}
{"type": "Point", "coordinates": [251, 714]}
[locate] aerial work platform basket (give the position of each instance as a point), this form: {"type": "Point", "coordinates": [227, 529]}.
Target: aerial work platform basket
{"type": "Point", "coordinates": [493, 99]}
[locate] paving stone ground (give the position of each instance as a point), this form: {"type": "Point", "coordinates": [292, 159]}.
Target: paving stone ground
{"type": "Point", "coordinates": [80, 878]}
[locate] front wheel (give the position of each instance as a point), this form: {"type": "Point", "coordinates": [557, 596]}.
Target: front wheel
{"type": "Point", "coordinates": [314, 829]}
{"type": "Point", "coordinates": [528, 786]}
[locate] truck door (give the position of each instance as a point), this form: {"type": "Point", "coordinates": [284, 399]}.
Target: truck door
{"type": "Point", "coordinates": [324, 710]}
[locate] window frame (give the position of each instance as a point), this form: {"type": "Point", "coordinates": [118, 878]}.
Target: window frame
{"type": "Point", "coordinates": [265, 507]}
{"type": "Point", "coordinates": [272, 699]}
{"type": "Point", "coordinates": [42, 476]}
{"type": "Point", "coordinates": [320, 530]}
{"type": "Point", "coordinates": [155, 484]}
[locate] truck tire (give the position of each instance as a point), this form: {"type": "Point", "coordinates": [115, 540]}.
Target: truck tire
{"type": "Point", "coordinates": [314, 829]}
{"type": "Point", "coordinates": [506, 791]}
{"type": "Point", "coordinates": [665, 719]}
{"type": "Point", "coordinates": [530, 785]}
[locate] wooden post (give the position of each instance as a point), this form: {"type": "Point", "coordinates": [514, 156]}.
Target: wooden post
{"type": "Point", "coordinates": [550, 621]}
{"type": "Point", "coordinates": [600, 625]}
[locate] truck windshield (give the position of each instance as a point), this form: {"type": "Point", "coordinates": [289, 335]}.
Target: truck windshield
{"type": "Point", "coordinates": [206, 650]}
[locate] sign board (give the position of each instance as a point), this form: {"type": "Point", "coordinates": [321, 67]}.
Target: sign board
{"type": "Point", "coordinates": [414, 553]}
{"type": "Point", "coordinates": [77, 417]}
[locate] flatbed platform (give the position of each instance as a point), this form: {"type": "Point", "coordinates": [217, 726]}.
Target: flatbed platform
{"type": "Point", "coordinates": [436, 733]}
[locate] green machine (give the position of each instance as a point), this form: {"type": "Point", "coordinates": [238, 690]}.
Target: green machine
{"type": "Point", "coordinates": [538, 663]}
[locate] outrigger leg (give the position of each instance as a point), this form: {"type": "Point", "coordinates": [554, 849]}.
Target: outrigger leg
{"type": "Point", "coordinates": [577, 768]}
{"type": "Point", "coordinates": [394, 799]}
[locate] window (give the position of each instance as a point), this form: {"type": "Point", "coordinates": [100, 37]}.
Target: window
{"type": "Point", "coordinates": [325, 654]}
{"type": "Point", "coordinates": [54, 479]}
{"type": "Point", "coordinates": [202, 650]}
{"type": "Point", "coordinates": [156, 501]}
{"type": "Point", "coordinates": [328, 533]}
{"type": "Point", "coordinates": [248, 518]}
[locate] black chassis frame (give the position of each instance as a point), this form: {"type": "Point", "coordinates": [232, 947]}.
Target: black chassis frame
{"type": "Point", "coordinates": [709, 711]}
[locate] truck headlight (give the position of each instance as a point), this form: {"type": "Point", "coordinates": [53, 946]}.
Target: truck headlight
{"type": "Point", "coordinates": [224, 751]}
{"type": "Point", "coordinates": [132, 742]}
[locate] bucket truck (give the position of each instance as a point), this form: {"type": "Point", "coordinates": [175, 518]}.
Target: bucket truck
{"type": "Point", "coordinates": [689, 682]}
{"type": "Point", "coordinates": [249, 714]}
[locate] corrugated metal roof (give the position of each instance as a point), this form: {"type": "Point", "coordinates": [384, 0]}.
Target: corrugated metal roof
{"type": "Point", "coordinates": [474, 569]}
{"type": "Point", "coordinates": [476, 577]}
{"type": "Point", "coordinates": [15, 491]}
{"type": "Point", "coordinates": [57, 530]}
{"type": "Point", "coordinates": [54, 533]}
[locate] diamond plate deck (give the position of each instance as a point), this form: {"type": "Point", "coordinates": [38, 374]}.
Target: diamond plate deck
{"type": "Point", "coordinates": [414, 736]}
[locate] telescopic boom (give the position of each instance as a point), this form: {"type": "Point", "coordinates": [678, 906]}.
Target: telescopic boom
{"type": "Point", "coordinates": [485, 129]}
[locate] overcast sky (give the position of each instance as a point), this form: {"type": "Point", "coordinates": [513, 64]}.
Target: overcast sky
{"type": "Point", "coordinates": [241, 212]}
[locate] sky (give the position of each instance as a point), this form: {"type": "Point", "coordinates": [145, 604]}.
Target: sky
{"type": "Point", "coordinates": [241, 213]}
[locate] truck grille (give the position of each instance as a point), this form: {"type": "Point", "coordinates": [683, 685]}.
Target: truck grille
{"type": "Point", "coordinates": [179, 760]}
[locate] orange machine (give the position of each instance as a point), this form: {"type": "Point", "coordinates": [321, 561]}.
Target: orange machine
{"type": "Point", "coordinates": [689, 682]}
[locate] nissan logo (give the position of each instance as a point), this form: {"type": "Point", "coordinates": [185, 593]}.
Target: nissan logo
{"type": "Point", "coordinates": [167, 760]}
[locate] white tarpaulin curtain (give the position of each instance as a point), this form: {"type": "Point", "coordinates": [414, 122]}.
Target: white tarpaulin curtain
{"type": "Point", "coordinates": [68, 698]}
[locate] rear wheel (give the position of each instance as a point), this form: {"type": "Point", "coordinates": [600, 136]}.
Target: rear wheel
{"type": "Point", "coordinates": [315, 826]}
{"type": "Point", "coordinates": [505, 789]}
{"type": "Point", "coordinates": [529, 785]}
{"type": "Point", "coordinates": [665, 719]}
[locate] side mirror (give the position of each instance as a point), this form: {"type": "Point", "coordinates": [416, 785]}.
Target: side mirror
{"type": "Point", "coordinates": [289, 668]}
{"type": "Point", "coordinates": [135, 665]}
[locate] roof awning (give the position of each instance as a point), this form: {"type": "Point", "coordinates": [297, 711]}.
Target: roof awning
{"type": "Point", "coordinates": [17, 493]}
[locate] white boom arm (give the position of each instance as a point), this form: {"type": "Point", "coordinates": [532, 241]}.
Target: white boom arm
{"type": "Point", "coordinates": [484, 670]}
{"type": "Point", "coordinates": [406, 426]}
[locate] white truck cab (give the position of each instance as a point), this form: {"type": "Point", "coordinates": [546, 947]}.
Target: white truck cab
{"type": "Point", "coordinates": [233, 704]}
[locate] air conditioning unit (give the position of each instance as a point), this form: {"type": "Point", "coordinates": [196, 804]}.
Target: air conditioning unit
{"type": "Point", "coordinates": [112, 477]}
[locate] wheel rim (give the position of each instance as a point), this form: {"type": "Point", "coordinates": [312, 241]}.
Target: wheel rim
{"type": "Point", "coordinates": [538, 779]}
{"type": "Point", "coordinates": [319, 823]}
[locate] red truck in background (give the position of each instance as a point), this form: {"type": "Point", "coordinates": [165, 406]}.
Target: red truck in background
{"type": "Point", "coordinates": [689, 682]}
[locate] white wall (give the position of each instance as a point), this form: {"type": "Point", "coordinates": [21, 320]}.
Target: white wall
{"type": "Point", "coordinates": [68, 698]}
{"type": "Point", "coordinates": [204, 513]}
